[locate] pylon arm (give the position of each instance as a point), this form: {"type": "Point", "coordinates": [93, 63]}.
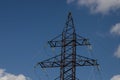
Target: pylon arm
{"type": "Point", "coordinates": [56, 42]}
{"type": "Point", "coordinates": [81, 41]}
{"type": "Point", "coordinates": [50, 63]}
{"type": "Point", "coordinates": [59, 43]}
{"type": "Point", "coordinates": [84, 61]}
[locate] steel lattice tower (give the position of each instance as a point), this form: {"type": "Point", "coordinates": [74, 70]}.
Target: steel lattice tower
{"type": "Point", "coordinates": [68, 59]}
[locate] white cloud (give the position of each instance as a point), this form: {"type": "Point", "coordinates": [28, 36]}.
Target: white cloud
{"type": "Point", "coordinates": [99, 6]}
{"type": "Point", "coordinates": [116, 77]}
{"type": "Point", "coordinates": [117, 52]}
{"type": "Point", "coordinates": [115, 29]}
{"type": "Point", "coordinates": [8, 76]}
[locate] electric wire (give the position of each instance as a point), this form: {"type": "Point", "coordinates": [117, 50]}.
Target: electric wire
{"type": "Point", "coordinates": [90, 77]}
{"type": "Point", "coordinates": [90, 51]}
{"type": "Point", "coordinates": [41, 69]}
{"type": "Point", "coordinates": [40, 51]}
{"type": "Point", "coordinates": [36, 74]}
{"type": "Point", "coordinates": [95, 70]}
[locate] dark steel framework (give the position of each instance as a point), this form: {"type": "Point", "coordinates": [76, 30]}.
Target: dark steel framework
{"type": "Point", "coordinates": [68, 59]}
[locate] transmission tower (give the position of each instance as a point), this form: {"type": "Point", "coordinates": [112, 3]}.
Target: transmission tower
{"type": "Point", "coordinates": [68, 59]}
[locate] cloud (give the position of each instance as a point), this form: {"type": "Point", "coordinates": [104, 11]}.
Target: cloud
{"type": "Point", "coordinates": [8, 76]}
{"type": "Point", "coordinates": [115, 29]}
{"type": "Point", "coordinates": [99, 6]}
{"type": "Point", "coordinates": [117, 52]}
{"type": "Point", "coordinates": [116, 77]}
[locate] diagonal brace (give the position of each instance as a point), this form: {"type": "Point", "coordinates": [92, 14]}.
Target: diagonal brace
{"type": "Point", "coordinates": [84, 61]}
{"type": "Point", "coordinates": [50, 63]}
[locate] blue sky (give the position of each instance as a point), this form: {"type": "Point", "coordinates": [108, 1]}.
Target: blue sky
{"type": "Point", "coordinates": [27, 25]}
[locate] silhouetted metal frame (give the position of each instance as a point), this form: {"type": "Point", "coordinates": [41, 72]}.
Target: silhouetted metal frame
{"type": "Point", "coordinates": [68, 60]}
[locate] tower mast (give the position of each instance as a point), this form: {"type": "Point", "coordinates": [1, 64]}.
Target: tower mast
{"type": "Point", "coordinates": [68, 59]}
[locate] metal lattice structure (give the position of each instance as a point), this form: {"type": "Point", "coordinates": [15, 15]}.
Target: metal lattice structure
{"type": "Point", "coordinates": [68, 59]}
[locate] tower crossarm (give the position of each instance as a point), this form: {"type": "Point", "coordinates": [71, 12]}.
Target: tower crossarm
{"type": "Point", "coordinates": [81, 41]}
{"type": "Point", "coordinates": [50, 63]}
{"type": "Point", "coordinates": [55, 62]}
{"type": "Point", "coordinates": [55, 42]}
{"type": "Point", "coordinates": [84, 61]}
